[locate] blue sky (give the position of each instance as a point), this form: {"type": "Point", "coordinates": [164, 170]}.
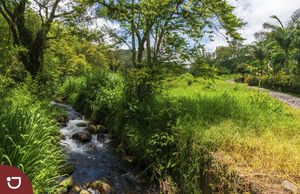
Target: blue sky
{"type": "Point", "coordinates": [255, 13]}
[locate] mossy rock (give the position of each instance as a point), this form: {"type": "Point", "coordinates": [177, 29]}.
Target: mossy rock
{"type": "Point", "coordinates": [65, 185]}
{"type": "Point", "coordinates": [101, 186]}
{"type": "Point", "coordinates": [84, 191]}
{"type": "Point", "coordinates": [67, 182]}
{"type": "Point", "coordinates": [76, 189]}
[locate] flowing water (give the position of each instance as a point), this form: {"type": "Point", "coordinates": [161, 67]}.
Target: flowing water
{"type": "Point", "coordinates": [96, 159]}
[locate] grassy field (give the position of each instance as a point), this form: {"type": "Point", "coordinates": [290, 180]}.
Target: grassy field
{"type": "Point", "coordinates": [174, 135]}
{"type": "Point", "coordinates": [256, 133]}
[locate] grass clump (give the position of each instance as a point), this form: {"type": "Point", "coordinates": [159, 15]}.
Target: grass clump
{"type": "Point", "coordinates": [27, 138]}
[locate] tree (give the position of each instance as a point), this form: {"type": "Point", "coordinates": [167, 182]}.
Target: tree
{"type": "Point", "coordinates": [260, 53]}
{"type": "Point", "coordinates": [284, 37]}
{"type": "Point", "coordinates": [160, 29]}
{"type": "Point", "coordinates": [229, 58]}
{"type": "Point", "coordinates": [14, 12]}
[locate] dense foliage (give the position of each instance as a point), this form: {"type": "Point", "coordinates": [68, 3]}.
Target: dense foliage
{"type": "Point", "coordinates": [161, 97]}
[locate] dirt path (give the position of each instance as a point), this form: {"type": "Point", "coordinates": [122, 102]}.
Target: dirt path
{"type": "Point", "coordinates": [286, 98]}
{"type": "Point", "coordinates": [283, 97]}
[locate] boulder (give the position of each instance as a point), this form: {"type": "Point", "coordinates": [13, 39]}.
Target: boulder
{"type": "Point", "coordinates": [83, 191]}
{"type": "Point", "coordinates": [96, 129]}
{"type": "Point", "coordinates": [290, 187]}
{"type": "Point", "coordinates": [92, 129]}
{"type": "Point", "coordinates": [101, 129]}
{"type": "Point", "coordinates": [61, 190]}
{"type": "Point", "coordinates": [62, 119]}
{"type": "Point", "coordinates": [81, 124]}
{"type": "Point", "coordinates": [101, 186]}
{"type": "Point", "coordinates": [82, 137]}
{"type": "Point", "coordinates": [75, 189]}
{"type": "Point", "coordinates": [65, 185]}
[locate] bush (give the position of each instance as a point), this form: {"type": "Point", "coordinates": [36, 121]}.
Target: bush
{"type": "Point", "coordinates": [96, 95]}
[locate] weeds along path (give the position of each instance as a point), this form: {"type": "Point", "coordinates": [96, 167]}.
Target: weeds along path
{"type": "Point", "coordinates": [283, 97]}
{"type": "Point", "coordinates": [286, 98]}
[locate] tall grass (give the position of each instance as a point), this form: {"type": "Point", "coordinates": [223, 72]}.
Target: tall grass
{"type": "Point", "coordinates": [259, 133]}
{"type": "Point", "coordinates": [27, 138]}
{"type": "Point", "coordinates": [27, 142]}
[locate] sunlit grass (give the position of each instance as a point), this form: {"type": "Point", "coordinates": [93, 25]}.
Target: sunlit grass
{"type": "Point", "coordinates": [259, 133]}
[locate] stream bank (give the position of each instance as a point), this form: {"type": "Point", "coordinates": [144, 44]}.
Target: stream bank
{"type": "Point", "coordinates": [97, 167]}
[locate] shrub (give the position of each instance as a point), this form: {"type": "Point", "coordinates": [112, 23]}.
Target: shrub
{"type": "Point", "coordinates": [282, 83]}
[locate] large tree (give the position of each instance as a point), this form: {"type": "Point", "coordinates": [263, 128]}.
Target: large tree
{"type": "Point", "coordinates": [15, 14]}
{"type": "Point", "coordinates": [161, 29]}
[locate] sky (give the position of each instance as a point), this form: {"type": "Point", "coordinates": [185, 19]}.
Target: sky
{"type": "Point", "coordinates": [255, 13]}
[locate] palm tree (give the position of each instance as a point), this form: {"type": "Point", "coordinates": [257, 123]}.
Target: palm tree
{"type": "Point", "coordinates": [283, 36]}
{"type": "Point", "coordinates": [259, 51]}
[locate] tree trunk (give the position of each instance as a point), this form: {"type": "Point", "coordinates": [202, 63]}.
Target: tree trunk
{"type": "Point", "coordinates": [286, 62]}
{"type": "Point", "coordinates": [148, 45]}
{"type": "Point", "coordinates": [36, 52]}
{"type": "Point", "coordinates": [133, 37]}
{"type": "Point", "coordinates": [140, 52]}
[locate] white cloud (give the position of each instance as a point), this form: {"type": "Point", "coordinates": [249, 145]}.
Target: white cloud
{"type": "Point", "coordinates": [255, 13]}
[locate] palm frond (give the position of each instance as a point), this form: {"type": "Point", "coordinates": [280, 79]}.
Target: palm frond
{"type": "Point", "coordinates": [269, 26]}
{"type": "Point", "coordinates": [294, 18]}
{"type": "Point", "coordinates": [278, 20]}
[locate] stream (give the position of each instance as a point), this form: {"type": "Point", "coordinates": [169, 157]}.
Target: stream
{"type": "Point", "coordinates": [97, 160]}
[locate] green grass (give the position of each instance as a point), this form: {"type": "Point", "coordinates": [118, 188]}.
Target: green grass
{"type": "Point", "coordinates": [27, 138]}
{"type": "Point", "coordinates": [259, 133]}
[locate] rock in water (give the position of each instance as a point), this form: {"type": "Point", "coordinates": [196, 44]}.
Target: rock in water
{"type": "Point", "coordinates": [65, 185]}
{"type": "Point", "coordinates": [82, 137]}
{"type": "Point", "coordinates": [81, 124]}
{"type": "Point", "coordinates": [76, 189]}
{"type": "Point", "coordinates": [101, 186]}
{"type": "Point", "coordinates": [92, 129]}
{"type": "Point", "coordinates": [290, 187]}
{"type": "Point", "coordinates": [83, 191]}
{"type": "Point", "coordinates": [101, 129]}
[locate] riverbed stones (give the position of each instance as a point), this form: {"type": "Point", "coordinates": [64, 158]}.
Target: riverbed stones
{"type": "Point", "coordinates": [101, 186]}
{"type": "Point", "coordinates": [82, 137]}
{"type": "Point", "coordinates": [290, 187]}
